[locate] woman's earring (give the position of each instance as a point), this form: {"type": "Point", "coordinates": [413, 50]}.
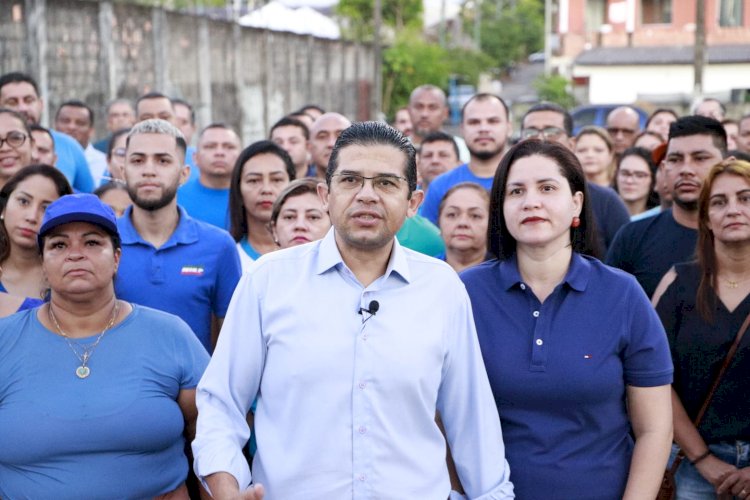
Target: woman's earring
{"type": "Point", "coordinates": [576, 222]}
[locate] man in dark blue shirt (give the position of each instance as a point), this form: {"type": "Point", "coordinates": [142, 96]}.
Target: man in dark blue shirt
{"type": "Point", "coordinates": [648, 248]}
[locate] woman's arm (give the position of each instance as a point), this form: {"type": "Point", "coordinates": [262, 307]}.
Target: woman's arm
{"type": "Point", "coordinates": [651, 419]}
{"type": "Point", "coordinates": [693, 446]}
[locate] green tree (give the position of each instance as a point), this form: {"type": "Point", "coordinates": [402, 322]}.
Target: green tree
{"type": "Point", "coordinates": [510, 31]}
{"type": "Point", "coordinates": [554, 88]}
{"type": "Point", "coordinates": [359, 17]}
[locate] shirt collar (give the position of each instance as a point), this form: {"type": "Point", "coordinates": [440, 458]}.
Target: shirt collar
{"type": "Point", "coordinates": [576, 278]}
{"type": "Point", "coordinates": [185, 233]}
{"type": "Point", "coordinates": [330, 257]}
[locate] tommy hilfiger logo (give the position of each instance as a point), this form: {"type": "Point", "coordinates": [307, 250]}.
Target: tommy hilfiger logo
{"type": "Point", "coordinates": [192, 271]}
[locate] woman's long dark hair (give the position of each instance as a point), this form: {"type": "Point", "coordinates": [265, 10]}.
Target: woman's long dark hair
{"type": "Point", "coordinates": [705, 300]}
{"type": "Point", "coordinates": [500, 242]}
{"type": "Point", "coordinates": [58, 179]}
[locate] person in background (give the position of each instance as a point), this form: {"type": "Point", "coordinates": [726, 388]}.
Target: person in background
{"type": "Point", "coordinates": [702, 304]}
{"type": "Point", "coordinates": [115, 195]}
{"type": "Point", "coordinates": [206, 197]}
{"type": "Point", "coordinates": [623, 124]}
{"type": "Point", "coordinates": [171, 261]}
{"type": "Point", "coordinates": [437, 155]}
{"type": "Point", "coordinates": [16, 144]}
{"type": "Point", "coordinates": [184, 118]}
{"type": "Point", "coordinates": [743, 134]}
{"type": "Point", "coordinates": [732, 128]}
{"type": "Point", "coordinates": [428, 111]}
{"type": "Point", "coordinates": [120, 114]}
{"type": "Point", "coordinates": [402, 122]}
{"type": "Point", "coordinates": [576, 356]}
{"type": "Point", "coordinates": [710, 108]}
{"type": "Point", "coordinates": [23, 201]}
{"type": "Point", "coordinates": [98, 394]}
{"type": "Point", "coordinates": [116, 150]}
{"type": "Point", "coordinates": [76, 118]}
{"type": "Point", "coordinates": [294, 137]}
{"type": "Point", "coordinates": [660, 120]}
{"type": "Point", "coordinates": [44, 146]}
{"type": "Point", "coordinates": [648, 139]}
{"type": "Point", "coordinates": [312, 110]}
{"type": "Point", "coordinates": [20, 92]}
{"type": "Point", "coordinates": [323, 134]}
{"type": "Point", "coordinates": [306, 119]}
{"type": "Point", "coordinates": [261, 172]}
{"type": "Point", "coordinates": [298, 215]}
{"type": "Point", "coordinates": [594, 149]}
{"type": "Point", "coordinates": [636, 179]}
{"type": "Point", "coordinates": [464, 214]}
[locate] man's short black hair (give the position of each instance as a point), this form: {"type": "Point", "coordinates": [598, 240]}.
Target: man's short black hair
{"type": "Point", "coordinates": [485, 96]}
{"type": "Point", "coordinates": [317, 108]}
{"type": "Point", "coordinates": [152, 95]}
{"type": "Point", "coordinates": [75, 103]}
{"type": "Point", "coordinates": [375, 134]}
{"type": "Point", "coordinates": [177, 100]}
{"type": "Point", "coordinates": [220, 125]}
{"type": "Point", "coordinates": [288, 121]}
{"type": "Point", "coordinates": [440, 137]}
{"type": "Point", "coordinates": [700, 125]}
{"type": "Point", "coordinates": [39, 128]}
{"type": "Point", "coordinates": [18, 77]}
{"type": "Point", "coordinates": [555, 108]}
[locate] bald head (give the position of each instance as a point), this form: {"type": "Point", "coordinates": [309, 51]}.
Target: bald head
{"type": "Point", "coordinates": [323, 134]}
{"type": "Point", "coordinates": [428, 109]}
{"type": "Point", "coordinates": [623, 124]}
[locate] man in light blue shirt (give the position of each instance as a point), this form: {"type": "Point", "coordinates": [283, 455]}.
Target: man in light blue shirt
{"type": "Point", "coordinates": [351, 346]}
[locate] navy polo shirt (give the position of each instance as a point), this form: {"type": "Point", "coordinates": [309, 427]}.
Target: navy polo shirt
{"type": "Point", "coordinates": [559, 371]}
{"type": "Point", "coordinates": [192, 275]}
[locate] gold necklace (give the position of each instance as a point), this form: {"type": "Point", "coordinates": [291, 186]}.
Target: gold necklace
{"type": "Point", "coordinates": [85, 354]}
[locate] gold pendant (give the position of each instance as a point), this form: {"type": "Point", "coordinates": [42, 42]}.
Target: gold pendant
{"type": "Point", "coordinates": [83, 371]}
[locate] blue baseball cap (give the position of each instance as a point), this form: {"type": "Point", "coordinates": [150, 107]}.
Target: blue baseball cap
{"type": "Point", "coordinates": [80, 207]}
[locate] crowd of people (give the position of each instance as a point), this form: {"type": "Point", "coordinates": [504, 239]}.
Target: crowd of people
{"type": "Point", "coordinates": [358, 310]}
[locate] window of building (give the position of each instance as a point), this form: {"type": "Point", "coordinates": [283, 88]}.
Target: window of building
{"type": "Point", "coordinates": [596, 14]}
{"type": "Point", "coordinates": [730, 13]}
{"type": "Point", "coordinates": [656, 11]}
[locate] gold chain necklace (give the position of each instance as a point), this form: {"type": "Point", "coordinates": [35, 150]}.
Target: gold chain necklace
{"type": "Point", "coordinates": [85, 354]}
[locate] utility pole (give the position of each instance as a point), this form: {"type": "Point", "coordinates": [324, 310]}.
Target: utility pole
{"type": "Point", "coordinates": [377, 91]}
{"type": "Point", "coordinates": [699, 58]}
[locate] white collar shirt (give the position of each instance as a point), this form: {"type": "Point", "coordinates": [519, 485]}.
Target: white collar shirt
{"type": "Point", "coordinates": [346, 402]}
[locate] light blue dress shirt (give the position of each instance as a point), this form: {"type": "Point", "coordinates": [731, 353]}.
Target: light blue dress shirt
{"type": "Point", "coordinates": [347, 402]}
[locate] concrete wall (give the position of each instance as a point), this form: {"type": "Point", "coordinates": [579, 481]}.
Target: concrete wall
{"type": "Point", "coordinates": [249, 78]}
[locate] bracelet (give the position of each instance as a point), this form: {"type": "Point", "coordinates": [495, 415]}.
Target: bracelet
{"type": "Point", "coordinates": [698, 459]}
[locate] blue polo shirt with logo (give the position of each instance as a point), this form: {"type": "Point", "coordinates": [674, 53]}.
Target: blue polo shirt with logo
{"type": "Point", "coordinates": [192, 275]}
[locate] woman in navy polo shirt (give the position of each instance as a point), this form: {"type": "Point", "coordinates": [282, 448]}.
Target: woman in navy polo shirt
{"type": "Point", "coordinates": [574, 352]}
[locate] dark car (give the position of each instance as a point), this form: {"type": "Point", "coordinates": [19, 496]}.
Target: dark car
{"type": "Point", "coordinates": [596, 114]}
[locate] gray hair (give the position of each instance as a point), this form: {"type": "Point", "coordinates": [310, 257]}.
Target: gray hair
{"type": "Point", "coordinates": [158, 126]}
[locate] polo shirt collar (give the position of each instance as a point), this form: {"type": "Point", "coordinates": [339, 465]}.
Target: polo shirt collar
{"type": "Point", "coordinates": [330, 257]}
{"type": "Point", "coordinates": [576, 278]}
{"type": "Point", "coordinates": [185, 233]}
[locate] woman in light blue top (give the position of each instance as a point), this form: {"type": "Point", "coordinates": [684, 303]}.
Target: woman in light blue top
{"type": "Point", "coordinates": [262, 171]}
{"type": "Point", "coordinates": [97, 395]}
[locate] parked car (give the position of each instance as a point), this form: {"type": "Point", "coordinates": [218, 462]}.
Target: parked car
{"type": "Point", "coordinates": [596, 114]}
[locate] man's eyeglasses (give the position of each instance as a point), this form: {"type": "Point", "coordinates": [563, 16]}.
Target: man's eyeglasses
{"type": "Point", "coordinates": [548, 133]}
{"type": "Point", "coordinates": [13, 139]}
{"type": "Point", "coordinates": [613, 131]}
{"type": "Point", "coordinates": [386, 184]}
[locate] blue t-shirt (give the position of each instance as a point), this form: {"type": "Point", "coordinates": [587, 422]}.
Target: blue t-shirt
{"type": "Point", "coordinates": [559, 371]}
{"type": "Point", "coordinates": [204, 203]}
{"type": "Point", "coordinates": [192, 275]}
{"type": "Point", "coordinates": [72, 162]}
{"type": "Point", "coordinates": [442, 183]}
{"type": "Point", "coordinates": [117, 433]}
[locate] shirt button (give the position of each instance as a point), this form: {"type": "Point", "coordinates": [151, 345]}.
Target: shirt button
{"type": "Point", "coordinates": [539, 342]}
{"type": "Point", "coordinates": [362, 477]}
{"type": "Point", "coordinates": [362, 385]}
{"type": "Point", "coordinates": [535, 314]}
{"type": "Point", "coordinates": [362, 430]}
{"type": "Point", "coordinates": [523, 287]}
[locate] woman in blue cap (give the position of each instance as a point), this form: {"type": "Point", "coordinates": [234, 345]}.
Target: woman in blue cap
{"type": "Point", "coordinates": [97, 395]}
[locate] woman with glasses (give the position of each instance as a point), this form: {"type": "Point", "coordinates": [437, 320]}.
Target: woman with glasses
{"type": "Point", "coordinates": [23, 201]}
{"type": "Point", "coordinates": [261, 172]}
{"type": "Point", "coordinates": [16, 144]}
{"type": "Point", "coordinates": [635, 180]}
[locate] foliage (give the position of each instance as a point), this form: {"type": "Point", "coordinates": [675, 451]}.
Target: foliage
{"type": "Point", "coordinates": [467, 64]}
{"type": "Point", "coordinates": [554, 88]}
{"type": "Point", "coordinates": [510, 31]}
{"type": "Point", "coordinates": [396, 14]}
